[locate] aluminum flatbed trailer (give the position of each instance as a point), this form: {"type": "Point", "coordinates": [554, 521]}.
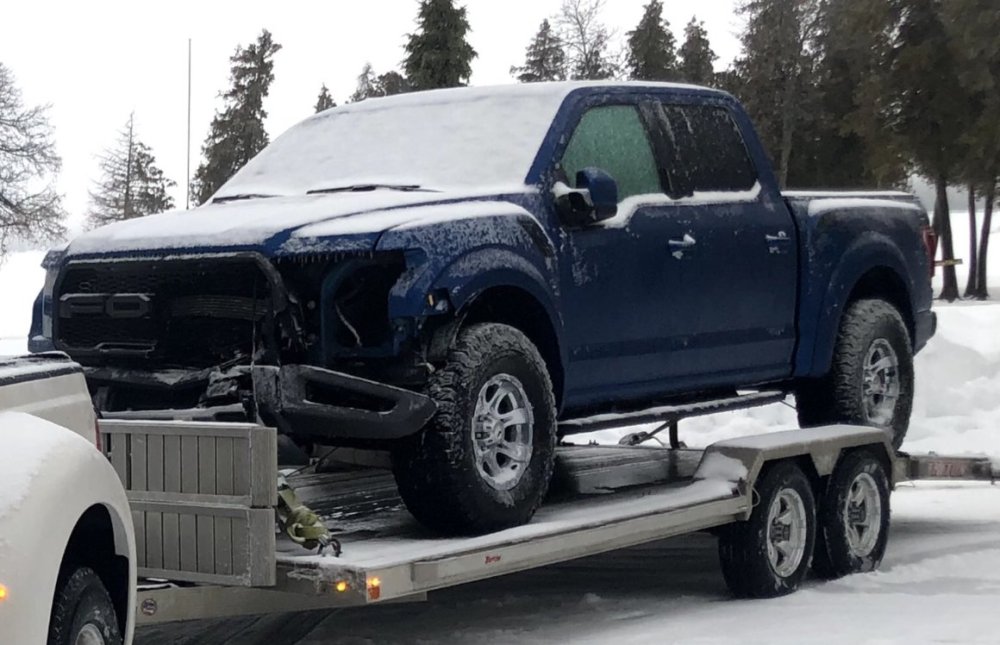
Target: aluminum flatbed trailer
{"type": "Point", "coordinates": [203, 497]}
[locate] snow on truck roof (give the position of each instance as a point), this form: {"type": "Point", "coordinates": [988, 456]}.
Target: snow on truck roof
{"type": "Point", "coordinates": [451, 138]}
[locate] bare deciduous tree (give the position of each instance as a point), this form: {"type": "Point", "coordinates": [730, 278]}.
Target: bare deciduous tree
{"type": "Point", "coordinates": [586, 39]}
{"type": "Point", "coordinates": [30, 207]}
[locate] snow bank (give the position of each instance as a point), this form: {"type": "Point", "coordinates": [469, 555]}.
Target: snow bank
{"type": "Point", "coordinates": [21, 278]}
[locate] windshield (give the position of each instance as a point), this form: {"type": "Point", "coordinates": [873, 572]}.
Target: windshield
{"type": "Point", "coordinates": [435, 140]}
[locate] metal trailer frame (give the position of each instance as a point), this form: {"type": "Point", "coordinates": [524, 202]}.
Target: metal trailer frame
{"type": "Point", "coordinates": [203, 494]}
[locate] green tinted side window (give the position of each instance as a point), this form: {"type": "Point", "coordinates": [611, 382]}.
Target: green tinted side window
{"type": "Point", "coordinates": [613, 139]}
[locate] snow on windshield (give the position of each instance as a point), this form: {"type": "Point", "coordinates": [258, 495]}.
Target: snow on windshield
{"type": "Point", "coordinates": [444, 139]}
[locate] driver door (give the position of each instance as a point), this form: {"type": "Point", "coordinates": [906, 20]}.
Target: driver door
{"type": "Point", "coordinates": [615, 274]}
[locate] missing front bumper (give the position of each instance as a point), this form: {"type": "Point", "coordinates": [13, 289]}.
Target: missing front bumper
{"type": "Point", "coordinates": [323, 404]}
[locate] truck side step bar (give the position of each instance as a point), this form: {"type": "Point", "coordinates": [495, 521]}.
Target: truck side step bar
{"type": "Point", "coordinates": [669, 415]}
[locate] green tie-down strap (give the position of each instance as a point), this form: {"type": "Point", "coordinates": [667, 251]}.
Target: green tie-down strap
{"type": "Point", "coordinates": [301, 523]}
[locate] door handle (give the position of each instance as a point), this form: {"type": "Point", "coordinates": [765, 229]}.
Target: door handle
{"type": "Point", "coordinates": [685, 243]}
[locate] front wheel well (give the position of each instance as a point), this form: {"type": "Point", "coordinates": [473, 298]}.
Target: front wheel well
{"type": "Point", "coordinates": [92, 544]}
{"type": "Point", "coordinates": [885, 284]}
{"type": "Point", "coordinates": [521, 310]}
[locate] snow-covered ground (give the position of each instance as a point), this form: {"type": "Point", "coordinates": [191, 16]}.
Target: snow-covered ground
{"type": "Point", "coordinates": [939, 583]}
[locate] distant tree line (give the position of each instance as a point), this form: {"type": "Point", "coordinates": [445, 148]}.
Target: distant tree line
{"type": "Point", "coordinates": [844, 94]}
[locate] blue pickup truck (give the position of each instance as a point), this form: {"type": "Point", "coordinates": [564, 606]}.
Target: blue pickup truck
{"type": "Point", "coordinates": [457, 276]}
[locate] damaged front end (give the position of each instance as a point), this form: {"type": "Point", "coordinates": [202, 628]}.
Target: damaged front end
{"type": "Point", "coordinates": [305, 344]}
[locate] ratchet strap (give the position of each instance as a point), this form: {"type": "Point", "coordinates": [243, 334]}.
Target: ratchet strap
{"type": "Point", "coordinates": [300, 523]}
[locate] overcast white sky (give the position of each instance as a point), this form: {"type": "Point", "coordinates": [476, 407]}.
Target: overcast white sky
{"type": "Point", "coordinates": [95, 61]}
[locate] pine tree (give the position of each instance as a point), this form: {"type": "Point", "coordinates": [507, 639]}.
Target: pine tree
{"type": "Point", "coordinates": [972, 27]}
{"type": "Point", "coordinates": [586, 39]}
{"type": "Point", "coordinates": [931, 111]}
{"type": "Point", "coordinates": [697, 60]}
{"type": "Point", "coordinates": [544, 59]}
{"type": "Point", "coordinates": [390, 83]}
{"type": "Point", "coordinates": [30, 207]}
{"type": "Point", "coordinates": [131, 185]}
{"type": "Point", "coordinates": [365, 85]}
{"type": "Point", "coordinates": [854, 145]}
{"type": "Point", "coordinates": [777, 71]}
{"type": "Point", "coordinates": [438, 54]}
{"type": "Point", "coordinates": [652, 52]}
{"type": "Point", "coordinates": [387, 84]}
{"type": "Point", "coordinates": [237, 132]}
{"type": "Point", "coordinates": [324, 101]}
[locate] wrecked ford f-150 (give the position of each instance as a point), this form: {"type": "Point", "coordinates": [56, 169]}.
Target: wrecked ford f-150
{"type": "Point", "coordinates": [454, 275]}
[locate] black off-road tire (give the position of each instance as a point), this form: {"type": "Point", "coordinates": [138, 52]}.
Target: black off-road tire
{"type": "Point", "coordinates": [838, 396]}
{"type": "Point", "coordinates": [743, 546]}
{"type": "Point", "coordinates": [82, 603]}
{"type": "Point", "coordinates": [436, 470]}
{"type": "Point", "coordinates": [834, 555]}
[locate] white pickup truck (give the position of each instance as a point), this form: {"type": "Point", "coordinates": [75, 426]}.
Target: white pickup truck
{"type": "Point", "coordinates": [67, 548]}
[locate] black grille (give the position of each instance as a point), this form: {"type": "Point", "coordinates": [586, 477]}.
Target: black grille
{"type": "Point", "coordinates": [200, 313]}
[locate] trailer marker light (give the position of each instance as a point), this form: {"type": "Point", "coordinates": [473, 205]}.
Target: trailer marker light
{"type": "Point", "coordinates": [341, 586]}
{"type": "Point", "coordinates": [374, 588]}
{"type": "Point", "coordinates": [3, 592]}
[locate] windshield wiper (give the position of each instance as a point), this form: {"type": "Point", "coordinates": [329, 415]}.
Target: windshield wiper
{"type": "Point", "coordinates": [362, 188]}
{"type": "Point", "coordinates": [235, 198]}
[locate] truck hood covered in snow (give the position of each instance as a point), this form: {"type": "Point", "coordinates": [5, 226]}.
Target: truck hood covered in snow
{"type": "Point", "coordinates": [348, 221]}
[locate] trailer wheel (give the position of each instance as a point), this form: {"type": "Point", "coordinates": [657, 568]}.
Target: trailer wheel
{"type": "Point", "coordinates": [870, 381]}
{"type": "Point", "coordinates": [853, 517]}
{"type": "Point", "coordinates": [82, 612]}
{"type": "Point", "coordinates": [768, 554]}
{"type": "Point", "coordinates": [484, 460]}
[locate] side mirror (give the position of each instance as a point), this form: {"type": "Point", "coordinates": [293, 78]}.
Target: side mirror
{"type": "Point", "coordinates": [595, 198]}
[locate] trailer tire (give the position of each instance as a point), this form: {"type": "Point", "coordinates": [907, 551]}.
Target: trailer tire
{"type": "Point", "coordinates": [857, 495]}
{"type": "Point", "coordinates": [872, 333]}
{"type": "Point", "coordinates": [753, 565]}
{"type": "Point", "coordinates": [81, 608]}
{"type": "Point", "coordinates": [474, 469]}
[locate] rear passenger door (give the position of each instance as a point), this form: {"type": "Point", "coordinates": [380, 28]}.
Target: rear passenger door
{"type": "Point", "coordinates": [738, 261]}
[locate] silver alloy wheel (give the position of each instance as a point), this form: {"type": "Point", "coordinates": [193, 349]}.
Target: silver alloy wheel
{"type": "Point", "coordinates": [502, 431]}
{"type": "Point", "coordinates": [787, 527]}
{"type": "Point", "coordinates": [863, 515]}
{"type": "Point", "coordinates": [90, 635]}
{"type": "Point", "coordinates": [880, 384]}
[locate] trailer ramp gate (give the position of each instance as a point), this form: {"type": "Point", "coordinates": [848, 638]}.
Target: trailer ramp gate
{"type": "Point", "coordinates": [202, 497]}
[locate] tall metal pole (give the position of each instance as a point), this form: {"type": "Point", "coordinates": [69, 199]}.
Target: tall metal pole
{"type": "Point", "coordinates": [187, 185]}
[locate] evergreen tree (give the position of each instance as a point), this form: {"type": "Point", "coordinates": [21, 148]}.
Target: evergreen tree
{"type": "Point", "coordinates": [652, 52]}
{"type": "Point", "coordinates": [697, 60]}
{"type": "Point", "coordinates": [972, 27]}
{"type": "Point", "coordinates": [931, 111]}
{"type": "Point", "coordinates": [30, 207]}
{"type": "Point", "coordinates": [324, 101]}
{"type": "Point", "coordinates": [366, 84]}
{"type": "Point", "coordinates": [586, 39]}
{"type": "Point", "coordinates": [544, 59]}
{"type": "Point", "coordinates": [237, 132]}
{"type": "Point", "coordinates": [777, 68]}
{"type": "Point", "coordinates": [438, 54]}
{"type": "Point", "coordinates": [854, 142]}
{"type": "Point", "coordinates": [387, 84]}
{"type": "Point", "coordinates": [131, 185]}
{"type": "Point", "coordinates": [390, 83]}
